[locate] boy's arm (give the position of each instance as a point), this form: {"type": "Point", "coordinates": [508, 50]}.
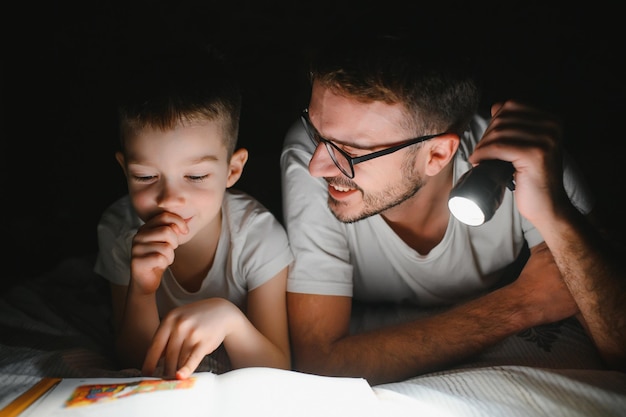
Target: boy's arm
{"type": "Point", "coordinates": [135, 319]}
{"type": "Point", "coordinates": [135, 307]}
{"type": "Point", "coordinates": [267, 341]}
{"type": "Point", "coordinates": [190, 332]}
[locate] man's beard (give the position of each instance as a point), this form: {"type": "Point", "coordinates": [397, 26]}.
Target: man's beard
{"type": "Point", "coordinates": [384, 200]}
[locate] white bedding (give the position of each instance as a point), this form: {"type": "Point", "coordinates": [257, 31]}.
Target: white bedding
{"type": "Point", "coordinates": [57, 325]}
{"type": "Point", "coordinates": [512, 391]}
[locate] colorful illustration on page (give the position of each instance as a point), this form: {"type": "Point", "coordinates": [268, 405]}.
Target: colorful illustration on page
{"type": "Point", "coordinates": [98, 393]}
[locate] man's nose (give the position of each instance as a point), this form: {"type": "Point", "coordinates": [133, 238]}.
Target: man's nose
{"type": "Point", "coordinates": [321, 164]}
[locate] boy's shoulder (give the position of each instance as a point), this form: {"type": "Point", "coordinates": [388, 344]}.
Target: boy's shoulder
{"type": "Point", "coordinates": [243, 211]}
{"type": "Point", "coordinates": [121, 213]}
{"type": "Point", "coordinates": [236, 201]}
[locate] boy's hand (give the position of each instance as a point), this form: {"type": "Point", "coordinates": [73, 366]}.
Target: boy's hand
{"type": "Point", "coordinates": [189, 333]}
{"type": "Point", "coordinates": [153, 250]}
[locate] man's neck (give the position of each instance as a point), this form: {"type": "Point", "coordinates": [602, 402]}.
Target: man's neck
{"type": "Point", "coordinates": [422, 220]}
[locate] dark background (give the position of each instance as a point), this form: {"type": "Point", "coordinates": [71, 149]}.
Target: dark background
{"type": "Point", "coordinates": [60, 61]}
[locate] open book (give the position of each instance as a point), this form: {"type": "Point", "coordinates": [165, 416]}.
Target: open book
{"type": "Point", "coordinates": [247, 391]}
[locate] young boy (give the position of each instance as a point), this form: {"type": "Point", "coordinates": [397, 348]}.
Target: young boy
{"type": "Point", "coordinates": [192, 263]}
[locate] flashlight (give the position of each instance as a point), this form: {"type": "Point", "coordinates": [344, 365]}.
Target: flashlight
{"type": "Point", "coordinates": [479, 192]}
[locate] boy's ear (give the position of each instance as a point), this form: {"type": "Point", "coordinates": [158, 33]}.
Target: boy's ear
{"type": "Point", "coordinates": [235, 168]}
{"type": "Point", "coordinates": [441, 150]}
{"type": "Point", "coordinates": [120, 159]}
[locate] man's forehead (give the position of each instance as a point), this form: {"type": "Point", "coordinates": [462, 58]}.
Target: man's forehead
{"type": "Point", "coordinates": [340, 117]}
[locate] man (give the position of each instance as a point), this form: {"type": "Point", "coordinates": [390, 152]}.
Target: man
{"type": "Point", "coordinates": [366, 179]}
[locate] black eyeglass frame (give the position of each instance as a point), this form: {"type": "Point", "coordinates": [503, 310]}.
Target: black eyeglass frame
{"type": "Point", "coordinates": [316, 138]}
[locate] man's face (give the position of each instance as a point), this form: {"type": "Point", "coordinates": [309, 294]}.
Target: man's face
{"type": "Point", "coordinates": [360, 128]}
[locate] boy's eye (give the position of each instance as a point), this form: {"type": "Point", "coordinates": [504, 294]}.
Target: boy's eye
{"type": "Point", "coordinates": [144, 178]}
{"type": "Point", "coordinates": [197, 178]}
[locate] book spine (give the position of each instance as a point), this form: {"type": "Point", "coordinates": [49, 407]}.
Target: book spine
{"type": "Point", "coordinates": [22, 402]}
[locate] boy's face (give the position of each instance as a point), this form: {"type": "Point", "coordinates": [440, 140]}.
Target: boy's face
{"type": "Point", "coordinates": [182, 171]}
{"type": "Point", "coordinates": [360, 128]}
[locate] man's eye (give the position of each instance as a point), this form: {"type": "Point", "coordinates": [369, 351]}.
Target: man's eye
{"type": "Point", "coordinates": [197, 178]}
{"type": "Point", "coordinates": [351, 152]}
{"type": "Point", "coordinates": [348, 150]}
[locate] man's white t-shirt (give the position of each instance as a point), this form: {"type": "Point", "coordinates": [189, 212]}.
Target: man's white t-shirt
{"type": "Point", "coordinates": [366, 260]}
{"type": "Point", "coordinates": [252, 249]}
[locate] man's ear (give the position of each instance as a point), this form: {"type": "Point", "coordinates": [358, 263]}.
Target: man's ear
{"type": "Point", "coordinates": [441, 150]}
{"type": "Point", "coordinates": [235, 168]}
{"type": "Point", "coordinates": [120, 160]}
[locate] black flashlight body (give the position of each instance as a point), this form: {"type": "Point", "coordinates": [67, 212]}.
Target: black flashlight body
{"type": "Point", "coordinates": [485, 184]}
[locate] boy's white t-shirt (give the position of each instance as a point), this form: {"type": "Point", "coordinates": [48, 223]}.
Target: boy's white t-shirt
{"type": "Point", "coordinates": [366, 260]}
{"type": "Point", "coordinates": [252, 249]}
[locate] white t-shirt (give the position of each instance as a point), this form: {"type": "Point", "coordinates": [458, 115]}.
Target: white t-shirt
{"type": "Point", "coordinates": [252, 249]}
{"type": "Point", "coordinates": [366, 260]}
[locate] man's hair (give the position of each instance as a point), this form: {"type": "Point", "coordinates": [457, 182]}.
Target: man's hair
{"type": "Point", "coordinates": [435, 84]}
{"type": "Point", "coordinates": [180, 85]}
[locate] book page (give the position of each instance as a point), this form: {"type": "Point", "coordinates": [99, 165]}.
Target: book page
{"type": "Point", "coordinates": [253, 391]}
{"type": "Point", "coordinates": [275, 392]}
{"type": "Point", "coordinates": [108, 397]}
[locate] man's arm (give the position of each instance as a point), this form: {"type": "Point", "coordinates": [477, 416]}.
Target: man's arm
{"type": "Point", "coordinates": [321, 343]}
{"type": "Point", "coordinates": [591, 266]}
{"type": "Point", "coordinates": [593, 270]}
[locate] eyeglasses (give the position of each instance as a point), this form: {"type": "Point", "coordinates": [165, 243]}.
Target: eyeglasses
{"type": "Point", "coordinates": [342, 160]}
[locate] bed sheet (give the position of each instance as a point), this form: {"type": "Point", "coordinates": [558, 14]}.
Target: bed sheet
{"type": "Point", "coordinates": [58, 325]}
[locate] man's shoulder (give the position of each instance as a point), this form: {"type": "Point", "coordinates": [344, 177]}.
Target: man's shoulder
{"type": "Point", "coordinates": [296, 137]}
{"type": "Point", "coordinates": [477, 126]}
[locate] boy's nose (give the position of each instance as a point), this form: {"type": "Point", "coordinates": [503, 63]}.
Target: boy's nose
{"type": "Point", "coordinates": [170, 196]}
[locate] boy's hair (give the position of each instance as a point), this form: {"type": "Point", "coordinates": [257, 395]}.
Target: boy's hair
{"type": "Point", "coordinates": [436, 85]}
{"type": "Point", "coordinates": [180, 85]}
